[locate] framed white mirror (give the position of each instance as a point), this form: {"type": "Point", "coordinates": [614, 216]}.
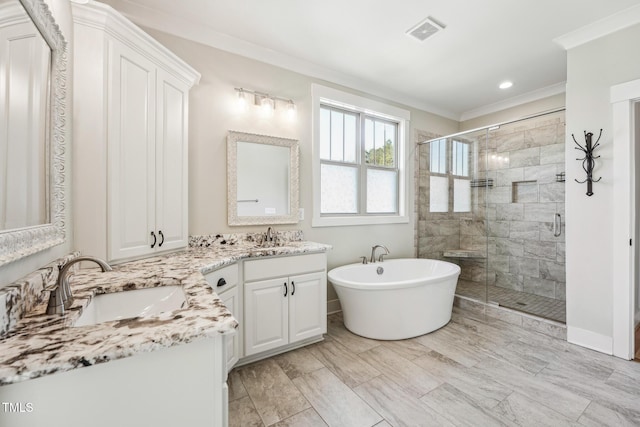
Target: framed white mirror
{"type": "Point", "coordinates": [262, 179]}
{"type": "Point", "coordinates": [33, 64]}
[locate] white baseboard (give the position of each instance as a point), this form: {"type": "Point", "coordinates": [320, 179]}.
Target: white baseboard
{"type": "Point", "coordinates": [589, 339]}
{"type": "Point", "coordinates": [333, 306]}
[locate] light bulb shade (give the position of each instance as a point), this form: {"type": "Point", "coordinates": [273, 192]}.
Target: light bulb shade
{"type": "Point", "coordinates": [267, 105]}
{"type": "Point", "coordinates": [291, 110]}
{"type": "Point", "coordinates": [242, 100]}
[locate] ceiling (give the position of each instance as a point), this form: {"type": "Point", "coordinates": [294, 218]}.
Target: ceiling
{"type": "Point", "coordinates": [363, 43]}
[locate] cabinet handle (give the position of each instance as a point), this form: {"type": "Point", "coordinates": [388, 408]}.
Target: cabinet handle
{"type": "Point", "coordinates": [155, 239]}
{"type": "Point", "coordinates": [285, 289]}
{"type": "Point", "coordinates": [293, 288]}
{"type": "Point", "coordinates": [161, 235]}
{"type": "Point", "coordinates": [221, 281]}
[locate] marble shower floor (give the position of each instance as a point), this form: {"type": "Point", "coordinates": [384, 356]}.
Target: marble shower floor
{"type": "Point", "coordinates": [548, 308]}
{"type": "Point", "coordinates": [474, 371]}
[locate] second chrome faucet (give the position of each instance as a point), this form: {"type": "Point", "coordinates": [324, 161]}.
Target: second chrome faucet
{"type": "Point", "coordinates": [60, 298]}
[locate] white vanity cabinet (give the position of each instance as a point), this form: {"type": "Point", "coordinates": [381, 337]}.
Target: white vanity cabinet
{"type": "Point", "coordinates": [130, 121]}
{"type": "Point", "coordinates": [182, 385]}
{"type": "Point", "coordinates": [224, 282]}
{"type": "Point", "coordinates": [285, 301]}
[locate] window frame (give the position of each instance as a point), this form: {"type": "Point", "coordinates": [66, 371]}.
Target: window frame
{"type": "Point", "coordinates": [365, 107]}
{"type": "Point", "coordinates": [450, 174]}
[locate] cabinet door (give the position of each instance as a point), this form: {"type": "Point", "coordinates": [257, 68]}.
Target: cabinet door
{"type": "Point", "coordinates": [131, 153]}
{"type": "Point", "coordinates": [230, 300]}
{"type": "Point", "coordinates": [307, 306]}
{"type": "Point", "coordinates": [266, 314]}
{"type": "Point", "coordinates": [171, 162]}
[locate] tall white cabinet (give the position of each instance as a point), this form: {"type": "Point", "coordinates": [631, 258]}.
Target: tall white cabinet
{"type": "Point", "coordinates": [131, 98]}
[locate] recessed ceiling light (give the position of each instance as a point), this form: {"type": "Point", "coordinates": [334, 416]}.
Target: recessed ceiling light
{"type": "Point", "coordinates": [505, 85]}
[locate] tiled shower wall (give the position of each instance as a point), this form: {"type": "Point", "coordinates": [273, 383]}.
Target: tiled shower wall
{"type": "Point", "coordinates": [515, 226]}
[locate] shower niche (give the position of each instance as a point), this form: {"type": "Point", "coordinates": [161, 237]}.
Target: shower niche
{"type": "Point", "coordinates": [490, 201]}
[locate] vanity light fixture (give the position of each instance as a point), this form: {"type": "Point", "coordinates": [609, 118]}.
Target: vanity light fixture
{"type": "Point", "coordinates": [242, 100]}
{"type": "Point", "coordinates": [266, 102]}
{"type": "Point", "coordinates": [267, 105]}
{"type": "Point", "coordinates": [291, 110]}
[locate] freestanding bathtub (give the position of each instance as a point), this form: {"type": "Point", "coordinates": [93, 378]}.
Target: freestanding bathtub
{"type": "Point", "coordinates": [397, 298]}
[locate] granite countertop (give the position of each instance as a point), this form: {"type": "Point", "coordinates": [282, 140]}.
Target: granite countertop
{"type": "Point", "coordinates": [41, 344]}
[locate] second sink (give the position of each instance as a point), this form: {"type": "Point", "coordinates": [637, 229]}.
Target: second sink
{"type": "Point", "coordinates": [133, 303]}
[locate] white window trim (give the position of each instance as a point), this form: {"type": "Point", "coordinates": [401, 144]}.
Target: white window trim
{"type": "Point", "coordinates": [337, 98]}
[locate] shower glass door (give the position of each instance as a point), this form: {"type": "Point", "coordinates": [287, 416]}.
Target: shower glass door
{"type": "Point", "coordinates": [452, 207]}
{"type": "Point", "coordinates": [525, 216]}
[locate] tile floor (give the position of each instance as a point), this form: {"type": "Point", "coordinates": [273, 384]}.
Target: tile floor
{"type": "Point", "coordinates": [475, 371]}
{"type": "Point", "coordinates": [537, 305]}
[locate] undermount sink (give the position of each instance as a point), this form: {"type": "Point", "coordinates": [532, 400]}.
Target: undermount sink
{"type": "Point", "coordinates": [133, 303]}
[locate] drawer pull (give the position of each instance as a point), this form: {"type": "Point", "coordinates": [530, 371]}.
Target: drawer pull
{"type": "Point", "coordinates": [293, 288]}
{"type": "Point", "coordinates": [221, 282]}
{"type": "Point", "coordinates": [155, 239]}
{"type": "Point", "coordinates": [285, 289]}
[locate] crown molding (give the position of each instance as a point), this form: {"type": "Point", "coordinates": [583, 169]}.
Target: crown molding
{"type": "Point", "coordinates": [610, 24]}
{"type": "Point", "coordinates": [186, 29]}
{"type": "Point", "coordinates": [105, 18]}
{"type": "Point", "coordinates": [515, 101]}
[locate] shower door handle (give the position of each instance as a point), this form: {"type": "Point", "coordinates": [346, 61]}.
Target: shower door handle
{"type": "Point", "coordinates": [557, 225]}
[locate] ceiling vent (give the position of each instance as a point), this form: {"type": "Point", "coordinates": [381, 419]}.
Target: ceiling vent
{"type": "Point", "coordinates": [425, 29]}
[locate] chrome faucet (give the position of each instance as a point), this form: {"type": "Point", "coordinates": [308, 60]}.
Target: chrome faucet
{"type": "Point", "coordinates": [60, 298]}
{"type": "Point", "coordinates": [373, 253]}
{"type": "Point", "coordinates": [270, 236]}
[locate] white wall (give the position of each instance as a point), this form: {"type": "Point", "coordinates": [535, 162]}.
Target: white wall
{"type": "Point", "coordinates": [212, 115]}
{"type": "Point", "coordinates": [592, 69]}
{"type": "Point", "coordinates": [61, 12]}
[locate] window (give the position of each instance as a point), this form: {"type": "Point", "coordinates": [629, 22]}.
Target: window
{"type": "Point", "coordinates": [461, 180]}
{"type": "Point", "coordinates": [359, 174]}
{"type": "Point", "coordinates": [445, 175]}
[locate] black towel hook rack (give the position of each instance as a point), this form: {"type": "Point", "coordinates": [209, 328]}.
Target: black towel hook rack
{"type": "Point", "coordinates": [588, 161]}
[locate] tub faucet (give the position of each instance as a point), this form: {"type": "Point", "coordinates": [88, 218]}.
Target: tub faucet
{"type": "Point", "coordinates": [373, 253]}
{"type": "Point", "coordinates": [60, 298]}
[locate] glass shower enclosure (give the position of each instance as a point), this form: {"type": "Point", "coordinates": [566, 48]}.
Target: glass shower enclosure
{"type": "Point", "coordinates": [492, 201]}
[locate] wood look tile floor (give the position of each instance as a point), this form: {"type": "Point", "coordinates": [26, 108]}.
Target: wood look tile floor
{"type": "Point", "coordinates": [476, 371]}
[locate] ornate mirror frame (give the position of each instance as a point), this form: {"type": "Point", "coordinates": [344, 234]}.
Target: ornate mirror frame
{"type": "Point", "coordinates": [232, 179]}
{"type": "Point", "coordinates": [19, 243]}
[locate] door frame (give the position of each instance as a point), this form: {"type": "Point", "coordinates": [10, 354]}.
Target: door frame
{"type": "Point", "coordinates": [623, 100]}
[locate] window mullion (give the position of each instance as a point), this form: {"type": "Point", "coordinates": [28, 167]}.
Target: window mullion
{"type": "Point", "coordinates": [330, 134]}
{"type": "Point", "coordinates": [362, 165]}
{"type": "Point", "coordinates": [344, 139]}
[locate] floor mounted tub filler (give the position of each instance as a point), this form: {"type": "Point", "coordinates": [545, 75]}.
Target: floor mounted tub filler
{"type": "Point", "coordinates": [397, 298]}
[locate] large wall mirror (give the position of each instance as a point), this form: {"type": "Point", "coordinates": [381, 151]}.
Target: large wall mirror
{"type": "Point", "coordinates": [262, 179]}
{"type": "Point", "coordinates": [32, 123]}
